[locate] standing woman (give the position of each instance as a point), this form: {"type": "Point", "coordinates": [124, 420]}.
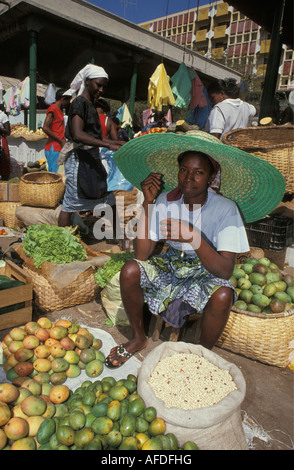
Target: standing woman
{"type": "Point", "coordinates": [5, 162]}
{"type": "Point", "coordinates": [86, 177]}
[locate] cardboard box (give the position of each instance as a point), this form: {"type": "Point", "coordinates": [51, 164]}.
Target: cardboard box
{"type": "Point", "coordinates": [9, 192]}
{"type": "Point", "coordinates": [22, 294]}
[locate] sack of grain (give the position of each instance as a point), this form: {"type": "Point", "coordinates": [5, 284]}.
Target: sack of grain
{"type": "Point", "coordinates": [200, 396]}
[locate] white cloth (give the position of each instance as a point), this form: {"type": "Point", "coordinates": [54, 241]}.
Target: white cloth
{"type": "Point", "coordinates": [219, 221]}
{"type": "Point", "coordinates": [228, 115]}
{"type": "Point", "coordinates": [3, 119]}
{"type": "Point", "coordinates": [90, 71]}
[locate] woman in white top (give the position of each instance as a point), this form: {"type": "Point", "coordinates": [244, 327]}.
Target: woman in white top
{"type": "Point", "coordinates": [229, 112]}
{"type": "Point", "coordinates": [204, 230]}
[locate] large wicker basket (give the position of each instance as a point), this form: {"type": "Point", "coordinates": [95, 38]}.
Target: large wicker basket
{"type": "Point", "coordinates": [41, 189]}
{"type": "Point", "coordinates": [47, 296]}
{"type": "Point", "coordinates": [275, 144]}
{"type": "Point", "coordinates": [262, 337]}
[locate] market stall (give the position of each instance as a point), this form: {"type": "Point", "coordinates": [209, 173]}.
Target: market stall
{"type": "Point", "coordinates": [129, 408]}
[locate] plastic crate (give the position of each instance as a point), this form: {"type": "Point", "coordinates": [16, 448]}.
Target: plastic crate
{"type": "Point", "coordinates": [273, 233]}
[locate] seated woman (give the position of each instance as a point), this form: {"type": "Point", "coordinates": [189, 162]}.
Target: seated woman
{"type": "Point", "coordinates": [203, 230]}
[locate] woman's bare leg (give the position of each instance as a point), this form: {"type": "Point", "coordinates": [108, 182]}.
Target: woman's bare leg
{"type": "Point", "coordinates": [215, 317]}
{"type": "Point", "coordinates": [64, 219]}
{"type": "Point", "coordinates": [133, 301]}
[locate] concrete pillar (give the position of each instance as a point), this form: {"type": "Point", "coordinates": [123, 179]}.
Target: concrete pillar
{"type": "Point", "coordinates": [133, 89]}
{"type": "Point", "coordinates": [33, 79]}
{"type": "Point", "coordinates": [272, 69]}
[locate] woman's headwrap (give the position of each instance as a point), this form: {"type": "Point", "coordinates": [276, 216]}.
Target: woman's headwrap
{"type": "Point", "coordinates": [89, 71]}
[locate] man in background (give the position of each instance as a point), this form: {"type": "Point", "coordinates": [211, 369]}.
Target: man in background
{"type": "Point", "coordinates": [54, 127]}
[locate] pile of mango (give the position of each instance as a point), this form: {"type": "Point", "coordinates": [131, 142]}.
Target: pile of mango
{"type": "Point", "coordinates": [262, 287]}
{"type": "Point", "coordinates": [104, 414]}
{"type": "Point", "coordinates": [51, 352]}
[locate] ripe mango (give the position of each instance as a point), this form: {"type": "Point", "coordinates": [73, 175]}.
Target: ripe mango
{"type": "Point", "coordinates": [16, 428]}
{"type": "Point", "coordinates": [8, 392]}
{"type": "Point", "coordinates": [33, 405]}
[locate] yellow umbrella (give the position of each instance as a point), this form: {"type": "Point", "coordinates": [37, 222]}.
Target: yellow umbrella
{"type": "Point", "coordinates": [159, 90]}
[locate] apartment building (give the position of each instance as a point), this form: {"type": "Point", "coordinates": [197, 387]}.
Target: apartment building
{"type": "Point", "coordinates": [222, 33]}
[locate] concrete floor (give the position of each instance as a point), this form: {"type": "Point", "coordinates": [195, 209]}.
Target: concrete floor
{"type": "Point", "coordinates": [267, 410]}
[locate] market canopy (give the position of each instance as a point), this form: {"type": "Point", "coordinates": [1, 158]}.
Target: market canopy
{"type": "Point", "coordinates": [71, 33]}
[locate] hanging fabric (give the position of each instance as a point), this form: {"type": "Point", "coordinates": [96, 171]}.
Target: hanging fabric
{"type": "Point", "coordinates": [198, 97]}
{"type": "Point", "coordinates": [168, 117]}
{"type": "Point", "coordinates": [146, 116]}
{"type": "Point", "coordinates": [182, 85]}
{"type": "Point", "coordinates": [25, 92]}
{"type": "Point", "coordinates": [159, 90]}
{"type": "Point", "coordinates": [124, 116]}
{"type": "Point", "coordinates": [199, 114]}
{"type": "Point", "coordinates": [1, 93]}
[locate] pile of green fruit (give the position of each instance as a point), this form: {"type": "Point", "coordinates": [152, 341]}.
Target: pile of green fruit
{"type": "Point", "coordinates": [262, 287]}
{"type": "Point", "coordinates": [104, 414]}
{"type": "Point", "coordinates": [51, 352]}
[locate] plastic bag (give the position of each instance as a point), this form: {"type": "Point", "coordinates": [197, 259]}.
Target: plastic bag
{"type": "Point", "coordinates": [112, 302]}
{"type": "Point", "coordinates": [50, 94]}
{"type": "Point", "coordinates": [115, 179]}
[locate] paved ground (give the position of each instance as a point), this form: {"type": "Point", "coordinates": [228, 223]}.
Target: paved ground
{"type": "Point", "coordinates": [267, 409]}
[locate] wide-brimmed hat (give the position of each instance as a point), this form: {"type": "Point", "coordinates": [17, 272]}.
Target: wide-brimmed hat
{"type": "Point", "coordinates": [254, 184]}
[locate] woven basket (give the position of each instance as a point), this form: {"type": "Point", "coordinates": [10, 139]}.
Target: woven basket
{"type": "Point", "coordinates": [275, 144]}
{"type": "Point", "coordinates": [262, 337]}
{"type": "Point", "coordinates": [41, 189]}
{"type": "Point", "coordinates": [47, 296]}
{"type": "Point", "coordinates": [84, 289]}
{"type": "Point", "coordinates": [7, 213]}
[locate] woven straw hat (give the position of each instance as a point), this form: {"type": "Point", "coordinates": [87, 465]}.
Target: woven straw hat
{"type": "Point", "coordinates": [253, 183]}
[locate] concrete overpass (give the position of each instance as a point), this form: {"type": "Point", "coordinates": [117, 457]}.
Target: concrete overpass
{"type": "Point", "coordinates": [51, 40]}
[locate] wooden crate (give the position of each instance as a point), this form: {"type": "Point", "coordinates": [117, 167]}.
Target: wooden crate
{"type": "Point", "coordinates": [16, 295]}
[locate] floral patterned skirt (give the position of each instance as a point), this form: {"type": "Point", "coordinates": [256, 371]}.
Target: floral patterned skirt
{"type": "Point", "coordinates": [175, 286]}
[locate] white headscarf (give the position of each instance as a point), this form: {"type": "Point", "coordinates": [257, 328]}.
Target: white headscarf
{"type": "Point", "coordinates": [89, 71]}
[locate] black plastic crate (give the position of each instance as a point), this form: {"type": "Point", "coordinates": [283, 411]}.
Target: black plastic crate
{"type": "Point", "coordinates": [273, 233]}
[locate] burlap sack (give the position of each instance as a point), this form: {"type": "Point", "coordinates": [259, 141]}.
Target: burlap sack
{"type": "Point", "coordinates": [218, 427]}
{"type": "Point", "coordinates": [112, 302]}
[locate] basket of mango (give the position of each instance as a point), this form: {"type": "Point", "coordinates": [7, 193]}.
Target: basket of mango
{"type": "Point", "coordinates": [261, 321]}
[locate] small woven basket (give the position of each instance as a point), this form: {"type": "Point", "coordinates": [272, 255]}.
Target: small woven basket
{"type": "Point", "coordinates": [41, 189]}
{"type": "Point", "coordinates": [7, 213]}
{"type": "Point", "coordinates": [262, 337]}
{"type": "Point", "coordinates": [275, 144]}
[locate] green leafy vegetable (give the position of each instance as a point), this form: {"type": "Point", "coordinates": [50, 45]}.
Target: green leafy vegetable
{"type": "Point", "coordinates": [112, 267]}
{"type": "Point", "coordinates": [51, 243]}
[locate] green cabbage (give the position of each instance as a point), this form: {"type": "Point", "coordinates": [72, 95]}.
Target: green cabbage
{"type": "Point", "coordinates": [112, 267]}
{"type": "Point", "coordinates": [51, 243]}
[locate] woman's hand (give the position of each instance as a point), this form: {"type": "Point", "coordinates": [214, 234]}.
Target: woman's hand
{"type": "Point", "coordinates": [179, 231]}
{"type": "Point", "coordinates": [151, 186]}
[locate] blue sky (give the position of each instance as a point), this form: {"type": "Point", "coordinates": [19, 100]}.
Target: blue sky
{"type": "Point", "coordinates": [139, 11]}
